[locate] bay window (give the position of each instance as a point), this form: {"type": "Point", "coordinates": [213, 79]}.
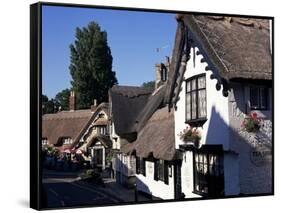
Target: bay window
{"type": "Point", "coordinates": [208, 173]}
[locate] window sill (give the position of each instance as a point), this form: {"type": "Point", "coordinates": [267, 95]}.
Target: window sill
{"type": "Point", "coordinates": [196, 122]}
{"type": "Point", "coordinates": [260, 109]}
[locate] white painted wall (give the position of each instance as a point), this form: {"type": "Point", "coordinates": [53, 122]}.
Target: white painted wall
{"type": "Point", "coordinates": [231, 174]}
{"type": "Point", "coordinates": [158, 188]}
{"type": "Point", "coordinates": [215, 130]}
{"type": "Point", "coordinates": [253, 178]}
{"type": "Point", "coordinates": [91, 125]}
{"type": "Point", "coordinates": [115, 143]}
{"type": "Point", "coordinates": [187, 175]}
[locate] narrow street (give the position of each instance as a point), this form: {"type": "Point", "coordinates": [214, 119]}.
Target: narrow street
{"type": "Point", "coordinates": [64, 189]}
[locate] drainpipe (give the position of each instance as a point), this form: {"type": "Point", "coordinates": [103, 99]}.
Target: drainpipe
{"type": "Point", "coordinates": [136, 192]}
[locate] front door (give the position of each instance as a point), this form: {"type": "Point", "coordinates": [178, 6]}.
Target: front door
{"type": "Point", "coordinates": [98, 153]}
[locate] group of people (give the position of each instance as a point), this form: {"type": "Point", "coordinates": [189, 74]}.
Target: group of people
{"type": "Point", "coordinates": [64, 161]}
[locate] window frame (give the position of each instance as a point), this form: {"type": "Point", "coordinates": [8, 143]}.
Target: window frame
{"type": "Point", "coordinates": [198, 121]}
{"type": "Point", "coordinates": [143, 166]}
{"type": "Point", "coordinates": [209, 179]}
{"type": "Point", "coordinates": [44, 141]}
{"type": "Point", "coordinates": [258, 88]}
{"type": "Point", "coordinates": [137, 165]}
{"type": "Point", "coordinates": [161, 171]}
{"type": "Point", "coordinates": [140, 166]}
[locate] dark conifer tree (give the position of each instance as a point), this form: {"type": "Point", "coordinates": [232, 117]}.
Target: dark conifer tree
{"type": "Point", "coordinates": [91, 66]}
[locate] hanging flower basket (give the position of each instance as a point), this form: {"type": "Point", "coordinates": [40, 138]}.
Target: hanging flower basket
{"type": "Point", "coordinates": [190, 136]}
{"type": "Point", "coordinates": [251, 123]}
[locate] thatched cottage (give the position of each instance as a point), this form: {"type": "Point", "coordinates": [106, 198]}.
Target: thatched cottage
{"type": "Point", "coordinates": [143, 129]}
{"type": "Point", "coordinates": [84, 130]}
{"type": "Point", "coordinates": [126, 103]}
{"type": "Point", "coordinates": [218, 87]}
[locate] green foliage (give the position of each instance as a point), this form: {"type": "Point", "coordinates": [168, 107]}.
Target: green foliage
{"type": "Point", "coordinates": [62, 99]}
{"type": "Point", "coordinates": [91, 65]}
{"type": "Point", "coordinates": [49, 106]}
{"type": "Point", "coordinates": [149, 84]}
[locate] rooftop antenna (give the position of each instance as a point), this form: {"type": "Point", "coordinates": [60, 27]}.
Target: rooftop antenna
{"type": "Point", "coordinates": [158, 49]}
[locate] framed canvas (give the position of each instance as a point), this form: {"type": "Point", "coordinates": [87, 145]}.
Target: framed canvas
{"type": "Point", "coordinates": [133, 106]}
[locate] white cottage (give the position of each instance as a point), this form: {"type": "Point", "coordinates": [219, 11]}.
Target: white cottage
{"type": "Point", "coordinates": [221, 75]}
{"type": "Point", "coordinates": [95, 140]}
{"type": "Point", "coordinates": [219, 86]}
{"type": "Point", "coordinates": [151, 147]}
{"type": "Point", "coordinates": [126, 102]}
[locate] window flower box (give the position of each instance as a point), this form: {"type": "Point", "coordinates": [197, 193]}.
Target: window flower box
{"type": "Point", "coordinates": [251, 123]}
{"type": "Point", "coordinates": [190, 136]}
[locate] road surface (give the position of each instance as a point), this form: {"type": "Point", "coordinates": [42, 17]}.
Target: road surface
{"type": "Point", "coordinates": [64, 190]}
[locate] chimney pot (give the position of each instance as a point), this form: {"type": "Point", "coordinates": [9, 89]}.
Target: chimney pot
{"type": "Point", "coordinates": [161, 73]}
{"type": "Point", "coordinates": [72, 101]}
{"type": "Point", "coordinates": [94, 106]}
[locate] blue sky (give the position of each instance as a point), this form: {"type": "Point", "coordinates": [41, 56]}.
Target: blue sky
{"type": "Point", "coordinates": [133, 37]}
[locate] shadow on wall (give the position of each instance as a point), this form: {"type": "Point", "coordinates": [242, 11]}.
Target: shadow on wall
{"type": "Point", "coordinates": [254, 152]}
{"type": "Point", "coordinates": [131, 180]}
{"type": "Point", "coordinates": [218, 130]}
{"type": "Point", "coordinates": [142, 187]}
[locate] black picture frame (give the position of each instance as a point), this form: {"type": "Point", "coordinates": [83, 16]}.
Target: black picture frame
{"type": "Point", "coordinates": [37, 197]}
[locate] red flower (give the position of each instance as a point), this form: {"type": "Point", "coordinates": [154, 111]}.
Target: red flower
{"type": "Point", "coordinates": [254, 115]}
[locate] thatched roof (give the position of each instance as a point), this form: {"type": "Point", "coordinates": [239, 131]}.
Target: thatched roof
{"type": "Point", "coordinates": [154, 101]}
{"type": "Point", "coordinates": [156, 138]}
{"type": "Point", "coordinates": [101, 122]}
{"type": "Point", "coordinates": [127, 103]}
{"type": "Point", "coordinates": [71, 124]}
{"type": "Point", "coordinates": [64, 124]}
{"type": "Point", "coordinates": [105, 140]}
{"type": "Point", "coordinates": [233, 47]}
{"type": "Point", "coordinates": [238, 47]}
{"type": "Point", "coordinates": [140, 111]}
{"type": "Point", "coordinates": [130, 91]}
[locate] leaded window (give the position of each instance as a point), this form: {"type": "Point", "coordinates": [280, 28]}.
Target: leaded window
{"type": "Point", "coordinates": [208, 173]}
{"type": "Point", "coordinates": [161, 171]}
{"type": "Point", "coordinates": [196, 104]}
{"type": "Point", "coordinates": [258, 97]}
{"type": "Point", "coordinates": [140, 166]}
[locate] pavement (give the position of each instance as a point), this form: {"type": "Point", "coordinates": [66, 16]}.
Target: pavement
{"type": "Point", "coordinates": [63, 189]}
{"type": "Point", "coordinates": [127, 195]}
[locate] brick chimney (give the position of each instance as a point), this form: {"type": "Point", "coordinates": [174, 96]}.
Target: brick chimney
{"type": "Point", "coordinates": [72, 101]}
{"type": "Point", "coordinates": [162, 71]}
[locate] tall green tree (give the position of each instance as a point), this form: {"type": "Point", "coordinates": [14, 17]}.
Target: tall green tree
{"type": "Point", "coordinates": [91, 65]}
{"type": "Point", "coordinates": [49, 105]}
{"type": "Point", "coordinates": [62, 99]}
